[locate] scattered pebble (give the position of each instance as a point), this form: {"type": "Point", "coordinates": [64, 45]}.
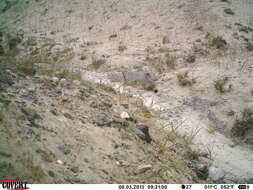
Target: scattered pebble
{"type": "Point", "coordinates": [124, 115]}
{"type": "Point", "coordinates": [75, 169]}
{"type": "Point", "coordinates": [51, 173]}
{"type": "Point", "coordinates": [63, 82]}
{"type": "Point", "coordinates": [64, 149]}
{"type": "Point", "coordinates": [55, 80]}
{"type": "Point", "coordinates": [59, 162]}
{"type": "Point", "coordinates": [76, 82]}
{"type": "Point", "coordinates": [67, 115]}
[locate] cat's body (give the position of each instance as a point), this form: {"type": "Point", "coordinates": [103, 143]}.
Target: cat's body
{"type": "Point", "coordinates": [136, 78]}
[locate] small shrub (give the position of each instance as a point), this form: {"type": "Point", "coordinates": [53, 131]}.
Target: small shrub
{"type": "Point", "coordinates": [1, 117]}
{"type": "Point", "coordinates": [190, 58]}
{"type": "Point", "coordinates": [243, 128]}
{"type": "Point", "coordinates": [219, 42]}
{"type": "Point", "coordinates": [122, 47]}
{"type": "Point", "coordinates": [166, 40]}
{"type": "Point", "coordinates": [64, 73]}
{"type": "Point", "coordinates": [83, 57]}
{"type": "Point", "coordinates": [231, 113]}
{"type": "Point", "coordinates": [13, 42]}
{"type": "Point", "coordinates": [27, 65]}
{"type": "Point", "coordinates": [1, 50]}
{"type": "Point", "coordinates": [77, 76]}
{"type": "Point", "coordinates": [183, 79]}
{"type": "Point", "coordinates": [165, 64]}
{"type": "Point", "coordinates": [97, 63]}
{"type": "Point", "coordinates": [220, 84]}
{"type": "Point", "coordinates": [146, 112]}
{"type": "Point", "coordinates": [249, 46]}
{"type": "Point", "coordinates": [107, 88]}
{"type": "Point", "coordinates": [170, 61]}
{"type": "Point", "coordinates": [192, 155]}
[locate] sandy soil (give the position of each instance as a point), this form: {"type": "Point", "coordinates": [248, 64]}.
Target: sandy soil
{"type": "Point", "coordinates": [96, 29]}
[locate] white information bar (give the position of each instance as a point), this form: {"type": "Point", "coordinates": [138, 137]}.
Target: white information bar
{"type": "Point", "coordinates": [142, 186]}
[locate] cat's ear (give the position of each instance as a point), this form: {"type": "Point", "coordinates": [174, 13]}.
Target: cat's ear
{"type": "Point", "coordinates": [147, 75]}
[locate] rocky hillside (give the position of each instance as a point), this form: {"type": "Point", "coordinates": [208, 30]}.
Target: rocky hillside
{"type": "Point", "coordinates": [70, 115]}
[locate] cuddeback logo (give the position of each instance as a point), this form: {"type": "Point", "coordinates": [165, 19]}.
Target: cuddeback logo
{"type": "Point", "coordinates": [14, 184]}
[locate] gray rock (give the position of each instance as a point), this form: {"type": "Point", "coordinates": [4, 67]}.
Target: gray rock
{"type": "Point", "coordinates": [31, 114]}
{"type": "Point", "coordinates": [218, 124]}
{"type": "Point", "coordinates": [122, 122]}
{"type": "Point", "coordinates": [76, 82]}
{"type": "Point", "coordinates": [199, 104]}
{"type": "Point", "coordinates": [145, 79]}
{"type": "Point", "coordinates": [74, 169]}
{"type": "Point", "coordinates": [31, 89]}
{"type": "Point", "coordinates": [67, 115]}
{"type": "Point", "coordinates": [66, 99]}
{"type": "Point", "coordinates": [201, 169]}
{"type": "Point", "coordinates": [59, 162]}
{"type": "Point", "coordinates": [64, 149]}
{"type": "Point", "coordinates": [78, 180]}
{"type": "Point", "coordinates": [4, 100]}
{"type": "Point", "coordinates": [191, 59]}
{"type": "Point", "coordinates": [27, 130]}
{"type": "Point", "coordinates": [55, 80]}
{"type": "Point", "coordinates": [143, 132]}
{"type": "Point", "coordinates": [5, 78]}
{"type": "Point", "coordinates": [18, 85]}
{"type": "Point", "coordinates": [51, 173]}
{"type": "Point", "coordinates": [54, 111]}
{"type": "Point", "coordinates": [215, 173]}
{"type": "Point", "coordinates": [63, 82]}
{"type": "Point", "coordinates": [102, 123]}
{"type": "Point", "coordinates": [126, 106]}
{"type": "Point", "coordinates": [9, 72]}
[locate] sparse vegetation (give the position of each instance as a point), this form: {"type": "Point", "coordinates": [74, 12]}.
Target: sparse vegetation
{"type": "Point", "coordinates": [170, 61]}
{"type": "Point", "coordinates": [229, 11]}
{"type": "Point", "coordinates": [107, 88]}
{"type": "Point", "coordinates": [97, 63]}
{"type": "Point", "coordinates": [166, 40]}
{"type": "Point", "coordinates": [183, 79]}
{"type": "Point", "coordinates": [165, 64]}
{"type": "Point", "coordinates": [27, 65]}
{"type": "Point", "coordinates": [14, 41]}
{"type": "Point", "coordinates": [220, 85]}
{"type": "Point", "coordinates": [72, 40]}
{"type": "Point", "coordinates": [146, 112]}
{"type": "Point", "coordinates": [249, 46]}
{"type": "Point", "coordinates": [231, 113]}
{"type": "Point", "coordinates": [164, 50]}
{"type": "Point", "coordinates": [122, 47]}
{"type": "Point", "coordinates": [190, 58]}
{"type": "Point", "coordinates": [218, 42]}
{"type": "Point", "coordinates": [243, 127]}
{"type": "Point", "coordinates": [1, 117]}
{"type": "Point", "coordinates": [192, 155]}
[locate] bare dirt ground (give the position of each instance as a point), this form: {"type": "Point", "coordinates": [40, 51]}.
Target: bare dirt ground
{"type": "Point", "coordinates": [208, 40]}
